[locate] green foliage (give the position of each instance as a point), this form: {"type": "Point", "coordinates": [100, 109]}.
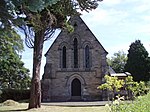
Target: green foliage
{"type": "Point", "coordinates": [137, 63]}
{"type": "Point", "coordinates": [10, 41]}
{"type": "Point", "coordinates": [39, 5]}
{"type": "Point", "coordinates": [118, 61]}
{"type": "Point", "coordinates": [6, 13]}
{"type": "Point", "coordinates": [14, 94]}
{"type": "Point", "coordinates": [112, 83]}
{"type": "Point", "coordinates": [141, 104]}
{"type": "Point", "coordinates": [13, 74]}
{"type": "Point", "coordinates": [148, 85]}
{"type": "Point", "coordinates": [0, 93]}
{"type": "Point", "coordinates": [135, 87]}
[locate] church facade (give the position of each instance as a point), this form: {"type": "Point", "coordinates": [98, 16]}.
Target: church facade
{"type": "Point", "coordinates": [75, 65]}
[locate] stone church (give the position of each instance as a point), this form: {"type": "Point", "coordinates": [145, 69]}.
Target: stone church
{"type": "Point", "coordinates": [75, 65]}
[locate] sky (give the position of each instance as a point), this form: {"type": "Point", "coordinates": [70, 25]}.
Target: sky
{"type": "Point", "coordinates": [115, 23]}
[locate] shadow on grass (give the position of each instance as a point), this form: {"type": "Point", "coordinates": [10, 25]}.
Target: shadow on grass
{"type": "Point", "coordinates": [19, 110]}
{"type": "Point", "coordinates": [14, 110]}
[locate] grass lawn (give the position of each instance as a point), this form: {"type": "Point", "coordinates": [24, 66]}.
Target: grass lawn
{"type": "Point", "coordinates": [22, 107]}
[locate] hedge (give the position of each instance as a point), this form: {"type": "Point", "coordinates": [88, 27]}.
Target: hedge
{"type": "Point", "coordinates": [14, 94]}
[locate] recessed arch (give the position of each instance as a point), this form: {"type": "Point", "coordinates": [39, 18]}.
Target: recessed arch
{"type": "Point", "coordinates": [76, 87]}
{"type": "Point", "coordinates": [62, 44]}
{"type": "Point", "coordinates": [69, 83]}
{"type": "Point", "coordinates": [71, 40]}
{"type": "Point", "coordinates": [85, 43]}
{"type": "Point", "coordinates": [73, 76]}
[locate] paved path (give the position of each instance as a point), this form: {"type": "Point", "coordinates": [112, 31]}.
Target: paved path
{"type": "Point", "coordinates": [90, 103]}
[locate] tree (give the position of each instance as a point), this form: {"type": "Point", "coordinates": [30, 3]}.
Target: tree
{"type": "Point", "coordinates": [118, 61]}
{"type": "Point", "coordinates": [149, 66]}
{"type": "Point", "coordinates": [40, 22]}
{"type": "Point", "coordinates": [12, 72]}
{"type": "Point", "coordinates": [137, 63]}
{"type": "Point", "coordinates": [112, 84]}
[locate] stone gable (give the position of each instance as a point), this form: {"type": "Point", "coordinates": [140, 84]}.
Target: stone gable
{"type": "Point", "coordinates": [75, 65]}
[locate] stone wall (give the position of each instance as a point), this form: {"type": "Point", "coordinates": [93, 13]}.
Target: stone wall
{"type": "Point", "coordinates": [56, 82]}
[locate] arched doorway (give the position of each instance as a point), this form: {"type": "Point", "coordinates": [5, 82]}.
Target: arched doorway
{"type": "Point", "coordinates": [76, 89]}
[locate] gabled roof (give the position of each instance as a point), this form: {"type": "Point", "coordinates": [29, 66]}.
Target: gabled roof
{"type": "Point", "coordinates": [114, 74]}
{"type": "Point", "coordinates": [78, 17]}
{"type": "Point", "coordinates": [93, 34]}
{"type": "Point", "coordinates": [120, 74]}
{"type": "Point", "coordinates": [111, 70]}
{"type": "Point", "coordinates": [52, 44]}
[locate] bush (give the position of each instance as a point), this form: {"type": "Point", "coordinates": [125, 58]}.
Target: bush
{"type": "Point", "coordinates": [0, 92]}
{"type": "Point", "coordinates": [141, 104]}
{"type": "Point", "coordinates": [14, 94]}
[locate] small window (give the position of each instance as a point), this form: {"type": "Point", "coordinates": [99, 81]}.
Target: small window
{"type": "Point", "coordinates": [64, 57]}
{"type": "Point", "coordinates": [75, 24]}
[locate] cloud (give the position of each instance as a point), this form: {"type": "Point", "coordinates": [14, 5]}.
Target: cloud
{"type": "Point", "coordinates": [105, 17]}
{"type": "Point", "coordinates": [118, 47]}
{"type": "Point", "coordinates": [111, 2]}
{"type": "Point", "coordinates": [125, 47]}
{"type": "Point", "coordinates": [146, 18]}
{"type": "Point", "coordinates": [142, 8]}
{"type": "Point", "coordinates": [144, 29]}
{"type": "Point", "coordinates": [123, 21]}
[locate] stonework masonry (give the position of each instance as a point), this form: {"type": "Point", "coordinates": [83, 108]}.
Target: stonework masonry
{"type": "Point", "coordinates": [75, 65]}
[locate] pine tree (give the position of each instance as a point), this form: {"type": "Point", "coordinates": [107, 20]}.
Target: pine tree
{"type": "Point", "coordinates": [137, 63]}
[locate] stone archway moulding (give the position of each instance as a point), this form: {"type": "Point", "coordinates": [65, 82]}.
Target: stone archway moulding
{"type": "Point", "coordinates": [71, 78]}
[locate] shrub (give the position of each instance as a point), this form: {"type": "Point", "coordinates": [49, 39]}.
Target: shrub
{"type": "Point", "coordinates": [0, 93]}
{"type": "Point", "coordinates": [14, 94]}
{"type": "Point", "coordinates": [141, 104]}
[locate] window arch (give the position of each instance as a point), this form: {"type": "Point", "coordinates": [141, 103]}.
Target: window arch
{"type": "Point", "coordinates": [75, 46]}
{"type": "Point", "coordinates": [64, 57]}
{"type": "Point", "coordinates": [87, 56]}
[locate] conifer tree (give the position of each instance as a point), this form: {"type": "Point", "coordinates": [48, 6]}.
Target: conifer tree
{"type": "Point", "coordinates": [137, 63]}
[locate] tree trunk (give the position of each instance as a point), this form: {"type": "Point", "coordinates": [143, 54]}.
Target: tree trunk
{"type": "Point", "coordinates": [35, 95]}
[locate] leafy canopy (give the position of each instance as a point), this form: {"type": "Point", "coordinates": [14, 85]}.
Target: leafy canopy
{"type": "Point", "coordinates": [13, 12]}
{"type": "Point", "coordinates": [13, 74]}
{"type": "Point", "coordinates": [118, 61]}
